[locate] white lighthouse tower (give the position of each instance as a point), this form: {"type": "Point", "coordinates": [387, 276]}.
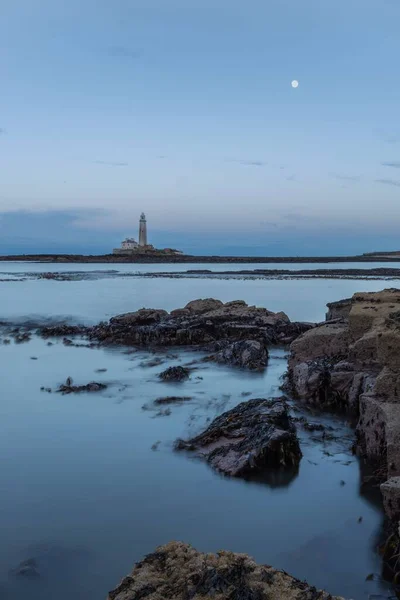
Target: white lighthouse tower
{"type": "Point", "coordinates": [142, 230]}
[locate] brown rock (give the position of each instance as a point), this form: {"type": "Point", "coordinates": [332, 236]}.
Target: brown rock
{"type": "Point", "coordinates": [179, 572]}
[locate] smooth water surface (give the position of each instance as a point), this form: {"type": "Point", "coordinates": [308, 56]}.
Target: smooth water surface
{"type": "Point", "coordinates": [93, 300]}
{"type": "Point", "coordinates": [83, 492]}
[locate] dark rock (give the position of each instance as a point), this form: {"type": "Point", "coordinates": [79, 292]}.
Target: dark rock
{"type": "Point", "coordinates": [250, 437]}
{"type": "Point", "coordinates": [200, 323]}
{"type": "Point", "coordinates": [175, 374]}
{"type": "Point", "coordinates": [93, 386]}
{"type": "Point", "coordinates": [178, 572]}
{"type": "Point", "coordinates": [172, 400]}
{"type": "Point", "coordinates": [250, 354]}
{"type": "Point", "coordinates": [144, 316]}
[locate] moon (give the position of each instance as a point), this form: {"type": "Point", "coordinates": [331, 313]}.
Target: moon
{"type": "Point", "coordinates": [295, 83]}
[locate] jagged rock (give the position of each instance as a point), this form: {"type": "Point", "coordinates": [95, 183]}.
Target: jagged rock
{"type": "Point", "coordinates": [249, 354]}
{"type": "Point", "coordinates": [93, 386]}
{"type": "Point", "coordinates": [144, 316]}
{"type": "Point", "coordinates": [177, 571]}
{"type": "Point", "coordinates": [250, 437]}
{"type": "Point", "coordinates": [356, 364]}
{"type": "Point", "coordinates": [391, 497]}
{"type": "Point", "coordinates": [175, 374]}
{"type": "Point", "coordinates": [199, 323]}
{"type": "Point", "coordinates": [339, 310]}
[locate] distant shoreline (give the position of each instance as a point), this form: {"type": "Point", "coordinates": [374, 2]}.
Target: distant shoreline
{"type": "Point", "coordinates": [184, 258]}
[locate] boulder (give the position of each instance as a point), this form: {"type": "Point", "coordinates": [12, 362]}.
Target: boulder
{"type": "Point", "coordinates": [249, 354]}
{"type": "Point", "coordinates": [249, 438]}
{"type": "Point", "coordinates": [177, 571]}
{"type": "Point", "coordinates": [175, 374]}
{"type": "Point", "coordinates": [203, 306]}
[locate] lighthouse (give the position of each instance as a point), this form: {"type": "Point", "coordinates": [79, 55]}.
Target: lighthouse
{"type": "Point", "coordinates": [142, 230]}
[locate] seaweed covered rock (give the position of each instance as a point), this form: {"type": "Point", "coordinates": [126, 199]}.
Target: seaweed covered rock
{"type": "Point", "coordinates": [249, 354]}
{"type": "Point", "coordinates": [201, 322]}
{"type": "Point", "coordinates": [175, 374]}
{"type": "Point", "coordinates": [177, 571]}
{"type": "Point", "coordinates": [249, 438]}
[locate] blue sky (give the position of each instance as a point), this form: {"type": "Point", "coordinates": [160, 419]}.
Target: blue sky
{"type": "Point", "coordinates": [184, 109]}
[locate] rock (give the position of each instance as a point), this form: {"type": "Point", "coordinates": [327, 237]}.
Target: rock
{"type": "Point", "coordinates": [177, 571]}
{"type": "Point", "coordinates": [62, 331]}
{"type": "Point", "coordinates": [175, 374]}
{"type": "Point", "coordinates": [355, 364]}
{"type": "Point", "coordinates": [201, 323]}
{"type": "Point", "coordinates": [249, 354]}
{"type": "Point", "coordinates": [391, 497]}
{"type": "Point", "coordinates": [172, 400]}
{"type": "Point", "coordinates": [378, 433]}
{"type": "Point", "coordinates": [144, 316]}
{"type": "Point", "coordinates": [93, 386]}
{"type": "Point", "coordinates": [203, 306]}
{"type": "Point", "coordinates": [339, 310]}
{"type": "Point", "coordinates": [251, 437]}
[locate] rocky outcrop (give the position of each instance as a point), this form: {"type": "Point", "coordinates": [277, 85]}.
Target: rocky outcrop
{"type": "Point", "coordinates": [200, 323]}
{"type": "Point", "coordinates": [337, 362]}
{"type": "Point", "coordinates": [249, 354]}
{"type": "Point", "coordinates": [179, 572]}
{"type": "Point", "coordinates": [251, 437]}
{"type": "Point", "coordinates": [354, 363]}
{"type": "Point", "coordinates": [175, 374]}
{"type": "Point", "coordinates": [206, 323]}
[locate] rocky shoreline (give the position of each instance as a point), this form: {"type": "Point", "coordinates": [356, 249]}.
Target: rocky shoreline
{"type": "Point", "coordinates": [155, 257]}
{"type": "Point", "coordinates": [348, 363]}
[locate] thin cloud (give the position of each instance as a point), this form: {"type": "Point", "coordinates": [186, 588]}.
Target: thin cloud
{"type": "Point", "coordinates": [111, 164]}
{"type": "Point", "coordinates": [249, 163]}
{"type": "Point", "coordinates": [291, 178]}
{"type": "Point", "coordinates": [392, 139]}
{"type": "Point", "coordinates": [2, 131]}
{"type": "Point", "coordinates": [394, 164]}
{"type": "Point", "coordinates": [388, 182]}
{"type": "Point", "coordinates": [123, 51]}
{"type": "Point", "coordinates": [345, 177]}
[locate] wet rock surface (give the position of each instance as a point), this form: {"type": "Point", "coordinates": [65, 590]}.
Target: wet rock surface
{"type": "Point", "coordinates": [354, 363]}
{"type": "Point", "coordinates": [253, 436]}
{"type": "Point", "coordinates": [172, 400]}
{"type": "Point", "coordinates": [249, 354]}
{"type": "Point", "coordinates": [70, 388]}
{"type": "Point", "coordinates": [203, 323]}
{"type": "Point", "coordinates": [175, 374]}
{"type": "Point", "coordinates": [179, 572]}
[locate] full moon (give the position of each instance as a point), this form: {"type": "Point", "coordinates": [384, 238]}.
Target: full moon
{"type": "Point", "coordinates": [295, 83]}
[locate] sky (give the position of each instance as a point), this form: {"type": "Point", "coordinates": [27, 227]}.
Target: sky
{"type": "Point", "coordinates": [184, 109]}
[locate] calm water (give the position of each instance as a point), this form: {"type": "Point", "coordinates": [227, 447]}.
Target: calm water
{"type": "Point", "coordinates": [82, 490]}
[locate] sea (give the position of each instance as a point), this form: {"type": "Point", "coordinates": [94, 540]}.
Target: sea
{"type": "Point", "coordinates": [91, 482]}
